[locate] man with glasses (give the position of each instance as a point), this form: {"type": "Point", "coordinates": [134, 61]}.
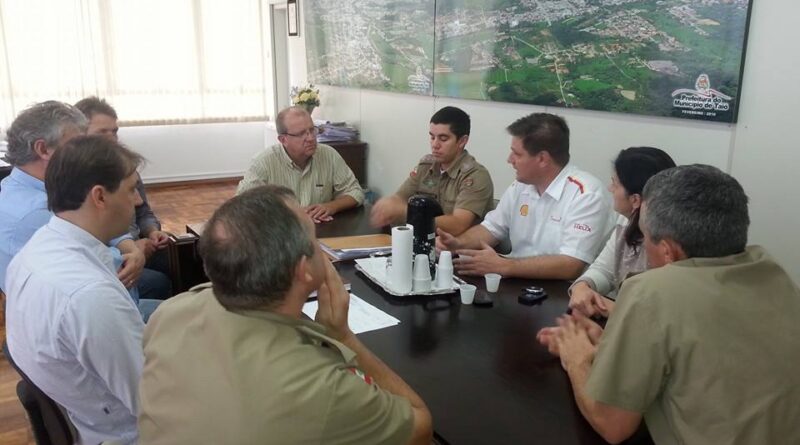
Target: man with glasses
{"type": "Point", "coordinates": [316, 173]}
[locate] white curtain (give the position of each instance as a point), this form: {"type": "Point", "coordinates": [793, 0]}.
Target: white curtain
{"type": "Point", "coordinates": [168, 61]}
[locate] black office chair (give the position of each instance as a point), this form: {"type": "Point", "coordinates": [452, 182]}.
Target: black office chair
{"type": "Point", "coordinates": [49, 424]}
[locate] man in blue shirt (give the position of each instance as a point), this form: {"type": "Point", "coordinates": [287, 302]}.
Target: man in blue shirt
{"type": "Point", "coordinates": [33, 138]}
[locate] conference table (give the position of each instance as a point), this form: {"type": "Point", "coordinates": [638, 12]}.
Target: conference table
{"type": "Point", "coordinates": [480, 370]}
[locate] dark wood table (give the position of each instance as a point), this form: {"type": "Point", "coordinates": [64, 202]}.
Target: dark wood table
{"type": "Point", "coordinates": [480, 370]}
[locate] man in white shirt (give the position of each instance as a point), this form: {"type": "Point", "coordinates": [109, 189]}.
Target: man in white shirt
{"type": "Point", "coordinates": [71, 326]}
{"type": "Point", "coordinates": [555, 216]}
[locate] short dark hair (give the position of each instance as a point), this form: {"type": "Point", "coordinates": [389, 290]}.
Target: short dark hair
{"type": "Point", "coordinates": [543, 132]}
{"type": "Point", "coordinates": [47, 121]}
{"type": "Point", "coordinates": [93, 105]}
{"type": "Point", "coordinates": [456, 118]}
{"type": "Point", "coordinates": [634, 166]}
{"type": "Point", "coordinates": [700, 207]}
{"type": "Point", "coordinates": [251, 246]}
{"type": "Point", "coordinates": [83, 163]}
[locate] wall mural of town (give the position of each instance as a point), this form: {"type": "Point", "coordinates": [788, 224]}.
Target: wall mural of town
{"type": "Point", "coordinates": [679, 58]}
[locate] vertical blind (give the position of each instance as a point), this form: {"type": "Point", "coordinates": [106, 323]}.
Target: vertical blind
{"type": "Point", "coordinates": [155, 61]}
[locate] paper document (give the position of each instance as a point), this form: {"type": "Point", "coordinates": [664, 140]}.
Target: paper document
{"type": "Point", "coordinates": [362, 316]}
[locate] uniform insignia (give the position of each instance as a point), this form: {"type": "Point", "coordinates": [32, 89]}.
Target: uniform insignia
{"type": "Point", "coordinates": [576, 182]}
{"type": "Point", "coordinates": [468, 182]}
{"type": "Point", "coordinates": [523, 210]}
{"type": "Point", "coordinates": [360, 374]}
{"type": "Point", "coordinates": [413, 173]}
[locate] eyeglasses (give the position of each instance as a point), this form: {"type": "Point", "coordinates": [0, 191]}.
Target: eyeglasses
{"type": "Point", "coordinates": [313, 132]}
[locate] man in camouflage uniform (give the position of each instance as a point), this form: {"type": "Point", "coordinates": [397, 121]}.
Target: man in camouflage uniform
{"type": "Point", "coordinates": [452, 176]}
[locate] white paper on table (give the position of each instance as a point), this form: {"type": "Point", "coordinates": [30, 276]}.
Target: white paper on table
{"type": "Point", "coordinates": [362, 316]}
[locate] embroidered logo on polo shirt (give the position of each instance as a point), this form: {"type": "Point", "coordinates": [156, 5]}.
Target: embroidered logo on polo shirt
{"type": "Point", "coordinates": [576, 182]}
{"type": "Point", "coordinates": [523, 210]}
{"type": "Point", "coordinates": [582, 227]}
{"type": "Point", "coordinates": [360, 374]}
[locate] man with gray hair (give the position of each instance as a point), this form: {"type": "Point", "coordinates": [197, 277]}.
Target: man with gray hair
{"type": "Point", "coordinates": [704, 345]}
{"type": "Point", "coordinates": [34, 136]}
{"type": "Point", "coordinates": [268, 375]}
{"type": "Point", "coordinates": [316, 173]}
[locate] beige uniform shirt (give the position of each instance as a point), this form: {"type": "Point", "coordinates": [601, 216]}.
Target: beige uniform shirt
{"type": "Point", "coordinates": [708, 350]}
{"type": "Point", "coordinates": [213, 376]}
{"type": "Point", "coordinates": [325, 177]}
{"type": "Point", "coordinates": [466, 184]}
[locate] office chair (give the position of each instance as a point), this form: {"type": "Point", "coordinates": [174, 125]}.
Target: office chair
{"type": "Point", "coordinates": [49, 424]}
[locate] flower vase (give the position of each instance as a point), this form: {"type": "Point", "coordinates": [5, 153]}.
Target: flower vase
{"type": "Point", "coordinates": [309, 108]}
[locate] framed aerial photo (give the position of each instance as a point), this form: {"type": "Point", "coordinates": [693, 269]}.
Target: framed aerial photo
{"type": "Point", "coordinates": [679, 58]}
{"type": "Point", "coordinates": [375, 44]}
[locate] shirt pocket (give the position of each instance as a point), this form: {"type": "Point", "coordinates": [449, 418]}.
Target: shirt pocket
{"type": "Point", "coordinates": [322, 192]}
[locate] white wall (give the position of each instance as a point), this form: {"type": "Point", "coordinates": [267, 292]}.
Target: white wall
{"type": "Point", "coordinates": [199, 151]}
{"type": "Point", "coordinates": [761, 150]}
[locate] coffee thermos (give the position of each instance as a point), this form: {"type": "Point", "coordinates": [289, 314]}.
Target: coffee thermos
{"type": "Point", "coordinates": [422, 213]}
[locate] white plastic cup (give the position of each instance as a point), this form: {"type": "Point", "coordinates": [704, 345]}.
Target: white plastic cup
{"type": "Point", "coordinates": [492, 282]}
{"type": "Point", "coordinates": [467, 293]}
{"type": "Point", "coordinates": [422, 274]}
{"type": "Point", "coordinates": [444, 271]}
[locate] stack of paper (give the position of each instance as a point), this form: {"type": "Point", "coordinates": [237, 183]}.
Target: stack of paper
{"type": "Point", "coordinates": [362, 316]}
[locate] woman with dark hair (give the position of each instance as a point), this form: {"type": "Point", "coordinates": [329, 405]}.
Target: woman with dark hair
{"type": "Point", "coordinates": [623, 255]}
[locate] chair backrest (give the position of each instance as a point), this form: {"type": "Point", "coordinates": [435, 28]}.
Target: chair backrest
{"type": "Point", "coordinates": [49, 423]}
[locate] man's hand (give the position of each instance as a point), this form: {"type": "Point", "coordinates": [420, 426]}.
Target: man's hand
{"type": "Point", "coordinates": [479, 261]}
{"type": "Point", "coordinates": [584, 299]}
{"type": "Point", "coordinates": [386, 211]}
{"type": "Point", "coordinates": [132, 265]}
{"type": "Point", "coordinates": [334, 304]}
{"type": "Point", "coordinates": [147, 246]}
{"type": "Point", "coordinates": [446, 241]}
{"type": "Point", "coordinates": [574, 346]}
{"type": "Point", "coordinates": [320, 213]}
{"type": "Point", "coordinates": [547, 336]}
{"type": "Point", "coordinates": [160, 239]}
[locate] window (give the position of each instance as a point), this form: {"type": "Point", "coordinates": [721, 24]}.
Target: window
{"type": "Point", "coordinates": [154, 61]}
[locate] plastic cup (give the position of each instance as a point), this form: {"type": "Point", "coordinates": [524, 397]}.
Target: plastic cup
{"type": "Point", "coordinates": [467, 293]}
{"type": "Point", "coordinates": [492, 282]}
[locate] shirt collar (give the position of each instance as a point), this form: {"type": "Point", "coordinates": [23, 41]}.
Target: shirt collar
{"type": "Point", "coordinates": [27, 180]}
{"type": "Point", "coordinates": [556, 188]}
{"type": "Point", "coordinates": [454, 168]}
{"type": "Point", "coordinates": [285, 156]}
{"type": "Point", "coordinates": [70, 230]}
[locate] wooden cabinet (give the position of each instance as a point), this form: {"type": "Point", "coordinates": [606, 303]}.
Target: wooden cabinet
{"type": "Point", "coordinates": [355, 155]}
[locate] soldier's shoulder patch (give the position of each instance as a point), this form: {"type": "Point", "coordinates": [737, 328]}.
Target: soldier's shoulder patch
{"type": "Point", "coordinates": [361, 374]}
{"type": "Point", "coordinates": [413, 172]}
{"type": "Point", "coordinates": [468, 182]}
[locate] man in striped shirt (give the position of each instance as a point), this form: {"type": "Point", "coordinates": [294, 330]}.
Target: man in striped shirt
{"type": "Point", "coordinates": [317, 174]}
